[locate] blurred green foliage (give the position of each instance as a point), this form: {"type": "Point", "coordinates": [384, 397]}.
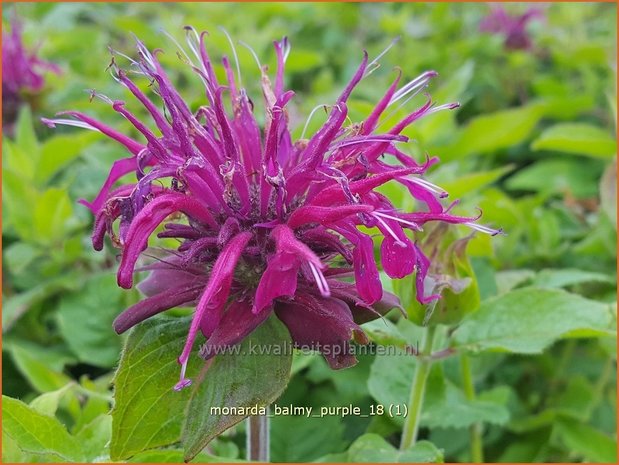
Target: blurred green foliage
{"type": "Point", "coordinates": [533, 145]}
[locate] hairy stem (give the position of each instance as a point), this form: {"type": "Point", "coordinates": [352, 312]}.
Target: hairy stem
{"type": "Point", "coordinates": [258, 438]}
{"type": "Point", "coordinates": [418, 389]}
{"type": "Point", "coordinates": [477, 447]}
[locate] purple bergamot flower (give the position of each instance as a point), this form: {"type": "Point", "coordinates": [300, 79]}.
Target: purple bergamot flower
{"type": "Point", "coordinates": [22, 71]}
{"type": "Point", "coordinates": [512, 27]}
{"type": "Point", "coordinates": [265, 224]}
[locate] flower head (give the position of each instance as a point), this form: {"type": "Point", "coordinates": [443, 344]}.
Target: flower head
{"type": "Point", "coordinates": [512, 27]}
{"type": "Point", "coordinates": [22, 72]}
{"type": "Point", "coordinates": [265, 224]}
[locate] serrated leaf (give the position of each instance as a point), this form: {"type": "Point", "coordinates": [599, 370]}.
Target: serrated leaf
{"type": "Point", "coordinates": [446, 406]}
{"type": "Point", "coordinates": [36, 433]}
{"type": "Point", "coordinates": [25, 137]}
{"type": "Point", "coordinates": [579, 178]}
{"type": "Point", "coordinates": [466, 183]}
{"type": "Point", "coordinates": [58, 151]}
{"type": "Point", "coordinates": [564, 277]}
{"type": "Point", "coordinates": [530, 319]}
{"type": "Point", "coordinates": [390, 379]}
{"type": "Point", "coordinates": [578, 138]}
{"type": "Point", "coordinates": [51, 215]}
{"type": "Point", "coordinates": [585, 441]}
{"type": "Point", "coordinates": [247, 379]}
{"type": "Point", "coordinates": [17, 305]}
{"type": "Point", "coordinates": [92, 339]}
{"type": "Point", "coordinates": [148, 413]}
{"type": "Point", "coordinates": [495, 131]}
{"type": "Point", "coordinates": [373, 448]}
{"type": "Point", "coordinates": [47, 403]}
{"type": "Point", "coordinates": [176, 456]}
{"type": "Point", "coordinates": [94, 438]}
{"type": "Point", "coordinates": [41, 366]}
{"type": "Point", "coordinates": [297, 439]}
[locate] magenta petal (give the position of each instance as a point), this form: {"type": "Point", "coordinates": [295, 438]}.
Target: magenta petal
{"type": "Point", "coordinates": [217, 290]}
{"type": "Point", "coordinates": [398, 257]}
{"type": "Point", "coordinates": [324, 324]}
{"type": "Point", "coordinates": [163, 279]}
{"type": "Point", "coordinates": [132, 145]}
{"type": "Point", "coordinates": [236, 323]}
{"type": "Point", "coordinates": [325, 215]}
{"type": "Point", "coordinates": [151, 306]}
{"type": "Point", "coordinates": [279, 279]}
{"type": "Point", "coordinates": [287, 242]}
{"type": "Point", "coordinates": [146, 221]}
{"type": "Point", "coordinates": [367, 277]}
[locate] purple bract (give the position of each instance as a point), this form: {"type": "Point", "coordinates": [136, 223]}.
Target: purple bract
{"type": "Point", "coordinates": [265, 224]}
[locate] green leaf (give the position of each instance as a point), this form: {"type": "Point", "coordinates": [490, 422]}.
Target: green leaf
{"type": "Point", "coordinates": [36, 433]}
{"type": "Point", "coordinates": [47, 403]}
{"type": "Point", "coordinates": [58, 151]}
{"type": "Point", "coordinates": [510, 279]}
{"type": "Point", "coordinates": [148, 413]}
{"type": "Point", "coordinates": [92, 339]}
{"type": "Point", "coordinates": [297, 439]}
{"type": "Point", "coordinates": [41, 366]}
{"type": "Point", "coordinates": [390, 379]}
{"type": "Point", "coordinates": [94, 438]}
{"type": "Point", "coordinates": [528, 320]}
{"type": "Point", "coordinates": [51, 215]}
{"type": "Point", "coordinates": [176, 456]}
{"type": "Point", "coordinates": [303, 60]}
{"type": "Point", "coordinates": [244, 380]}
{"type": "Point", "coordinates": [25, 136]}
{"type": "Point", "coordinates": [17, 305]}
{"type": "Point", "coordinates": [578, 138]}
{"type": "Point", "coordinates": [557, 176]}
{"type": "Point", "coordinates": [495, 131]}
{"type": "Point", "coordinates": [383, 332]}
{"type": "Point", "coordinates": [446, 406]}
{"type": "Point", "coordinates": [464, 184]}
{"type": "Point", "coordinates": [568, 277]}
{"type": "Point", "coordinates": [585, 441]}
{"type": "Point", "coordinates": [373, 448]}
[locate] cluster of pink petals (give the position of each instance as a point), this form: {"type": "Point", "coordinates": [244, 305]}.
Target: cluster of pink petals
{"type": "Point", "coordinates": [265, 224]}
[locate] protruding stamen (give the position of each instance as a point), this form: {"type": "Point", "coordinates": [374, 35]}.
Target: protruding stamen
{"type": "Point", "coordinates": [309, 118]}
{"type": "Point", "coordinates": [51, 123]}
{"type": "Point", "coordinates": [373, 65]}
{"type": "Point", "coordinates": [321, 281]}
{"type": "Point", "coordinates": [442, 193]}
{"type": "Point", "coordinates": [388, 229]}
{"type": "Point", "coordinates": [418, 83]}
{"type": "Point", "coordinates": [253, 53]}
{"type": "Point", "coordinates": [484, 229]}
{"type": "Point", "coordinates": [236, 57]}
{"type": "Point", "coordinates": [183, 382]}
{"type": "Point", "coordinates": [445, 106]}
{"type": "Point", "coordinates": [400, 220]}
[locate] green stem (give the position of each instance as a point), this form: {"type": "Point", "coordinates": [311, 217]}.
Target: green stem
{"type": "Point", "coordinates": [418, 389]}
{"type": "Point", "coordinates": [477, 448]}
